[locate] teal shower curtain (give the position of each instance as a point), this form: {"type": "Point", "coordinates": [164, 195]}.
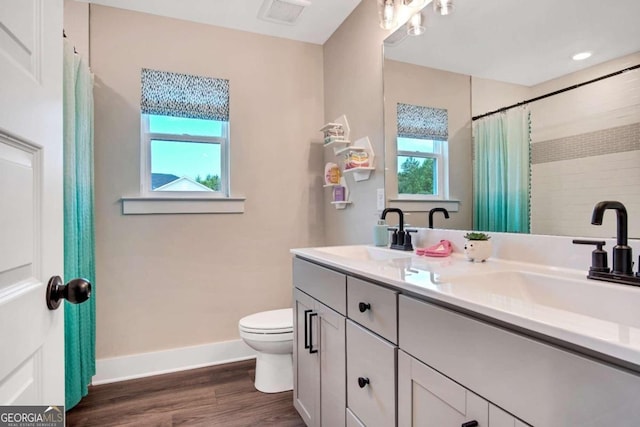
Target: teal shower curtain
{"type": "Point", "coordinates": [502, 171]}
{"type": "Point", "coordinates": [79, 245]}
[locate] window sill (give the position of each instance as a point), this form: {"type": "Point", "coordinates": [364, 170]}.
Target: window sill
{"type": "Point", "coordinates": [423, 205]}
{"type": "Point", "coordinates": [181, 205]}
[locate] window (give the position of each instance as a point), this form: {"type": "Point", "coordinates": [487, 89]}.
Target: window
{"type": "Point", "coordinates": [185, 155]}
{"type": "Point", "coordinates": [422, 152]}
{"type": "Point", "coordinates": [185, 135]}
{"type": "Point", "coordinates": [421, 166]}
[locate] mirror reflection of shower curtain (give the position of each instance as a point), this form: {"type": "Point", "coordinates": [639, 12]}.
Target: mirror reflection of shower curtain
{"type": "Point", "coordinates": [502, 165]}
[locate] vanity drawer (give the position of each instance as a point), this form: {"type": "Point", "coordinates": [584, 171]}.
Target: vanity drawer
{"type": "Point", "coordinates": [374, 307]}
{"type": "Point", "coordinates": [325, 285]}
{"type": "Point", "coordinates": [371, 358]}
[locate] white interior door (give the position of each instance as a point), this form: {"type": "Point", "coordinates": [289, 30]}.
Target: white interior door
{"type": "Point", "coordinates": [31, 245]}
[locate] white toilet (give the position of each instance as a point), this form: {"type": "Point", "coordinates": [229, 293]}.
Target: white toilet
{"type": "Point", "coordinates": [270, 334]}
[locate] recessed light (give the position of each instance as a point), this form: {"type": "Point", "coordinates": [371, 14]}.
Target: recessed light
{"type": "Point", "coordinates": [580, 56]}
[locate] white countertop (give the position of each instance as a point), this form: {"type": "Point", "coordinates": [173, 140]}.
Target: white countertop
{"type": "Point", "coordinates": [559, 303]}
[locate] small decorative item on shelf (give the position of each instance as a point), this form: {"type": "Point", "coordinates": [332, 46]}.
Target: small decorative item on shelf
{"type": "Point", "coordinates": [339, 194]}
{"type": "Point", "coordinates": [477, 247]}
{"type": "Point", "coordinates": [333, 132]}
{"type": "Point", "coordinates": [331, 174]}
{"type": "Point", "coordinates": [356, 159]}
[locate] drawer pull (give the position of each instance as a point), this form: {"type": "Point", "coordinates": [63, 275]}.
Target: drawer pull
{"type": "Point", "coordinates": [362, 382]}
{"type": "Point", "coordinates": [306, 329]}
{"type": "Point", "coordinates": [311, 349]}
{"type": "Point", "coordinates": [473, 423]}
{"type": "Point", "coordinates": [364, 307]}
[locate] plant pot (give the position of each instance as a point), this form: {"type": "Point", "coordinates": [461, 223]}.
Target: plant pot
{"type": "Point", "coordinates": [477, 250]}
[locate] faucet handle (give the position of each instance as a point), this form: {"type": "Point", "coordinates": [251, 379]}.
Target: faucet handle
{"type": "Point", "coordinates": [394, 236]}
{"type": "Point", "coordinates": [598, 256]}
{"type": "Point", "coordinates": [407, 239]}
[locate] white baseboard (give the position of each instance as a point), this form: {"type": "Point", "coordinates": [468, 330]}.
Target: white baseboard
{"type": "Point", "coordinates": [162, 362]}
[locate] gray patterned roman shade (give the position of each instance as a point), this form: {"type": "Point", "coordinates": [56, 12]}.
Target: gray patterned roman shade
{"type": "Point", "coordinates": [415, 121]}
{"type": "Point", "coordinates": [184, 95]}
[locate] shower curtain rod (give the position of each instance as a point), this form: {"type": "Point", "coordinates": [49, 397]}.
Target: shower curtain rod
{"type": "Point", "coordinates": [547, 95]}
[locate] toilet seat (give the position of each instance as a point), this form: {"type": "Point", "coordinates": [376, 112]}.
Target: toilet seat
{"type": "Point", "coordinates": [268, 322]}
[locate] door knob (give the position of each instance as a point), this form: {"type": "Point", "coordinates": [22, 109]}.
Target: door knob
{"type": "Point", "coordinates": [364, 307]}
{"type": "Point", "coordinates": [76, 291]}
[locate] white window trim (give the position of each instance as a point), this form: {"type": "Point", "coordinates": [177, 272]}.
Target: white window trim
{"type": "Point", "coordinates": [182, 205]}
{"type": "Point", "coordinates": [442, 176]}
{"type": "Point", "coordinates": [414, 205]}
{"type": "Point", "coordinates": [181, 202]}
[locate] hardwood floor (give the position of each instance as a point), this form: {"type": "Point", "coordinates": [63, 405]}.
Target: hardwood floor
{"type": "Point", "coordinates": [221, 395]}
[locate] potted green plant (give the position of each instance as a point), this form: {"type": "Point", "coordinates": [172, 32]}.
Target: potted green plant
{"type": "Point", "coordinates": [477, 247]}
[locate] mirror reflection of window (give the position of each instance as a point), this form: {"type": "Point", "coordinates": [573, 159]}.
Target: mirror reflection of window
{"type": "Point", "coordinates": [422, 152]}
{"type": "Point", "coordinates": [420, 167]}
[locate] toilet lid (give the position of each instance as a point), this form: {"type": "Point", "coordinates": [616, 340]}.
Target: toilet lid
{"type": "Point", "coordinates": [274, 321]}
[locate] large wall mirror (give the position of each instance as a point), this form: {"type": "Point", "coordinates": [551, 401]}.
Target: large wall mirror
{"type": "Point", "coordinates": [584, 141]}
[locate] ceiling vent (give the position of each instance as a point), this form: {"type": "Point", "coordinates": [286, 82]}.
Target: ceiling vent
{"type": "Point", "coordinates": [282, 11]}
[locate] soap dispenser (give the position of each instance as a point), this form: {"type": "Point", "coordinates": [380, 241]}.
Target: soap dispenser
{"type": "Point", "coordinates": [380, 233]}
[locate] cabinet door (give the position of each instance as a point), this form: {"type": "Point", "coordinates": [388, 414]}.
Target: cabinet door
{"type": "Point", "coordinates": [371, 369]}
{"type": "Point", "coordinates": [427, 398]}
{"type": "Point", "coordinates": [331, 347]}
{"type": "Point", "coordinates": [500, 418]}
{"type": "Point", "coordinates": [352, 420]}
{"type": "Point", "coordinates": [306, 365]}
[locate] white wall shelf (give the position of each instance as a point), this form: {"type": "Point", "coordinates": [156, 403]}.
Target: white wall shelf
{"type": "Point", "coordinates": [338, 146]}
{"type": "Point", "coordinates": [339, 204]}
{"type": "Point", "coordinates": [339, 143]}
{"type": "Point", "coordinates": [362, 173]}
{"type": "Point", "coordinates": [342, 150]}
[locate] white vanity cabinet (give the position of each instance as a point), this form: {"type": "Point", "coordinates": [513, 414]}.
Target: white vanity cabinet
{"type": "Point", "coordinates": [387, 358]}
{"type": "Point", "coordinates": [319, 344]}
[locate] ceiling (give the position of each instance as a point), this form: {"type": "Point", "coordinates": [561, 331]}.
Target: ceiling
{"type": "Point", "coordinates": [315, 25]}
{"type": "Point", "coordinates": [523, 42]}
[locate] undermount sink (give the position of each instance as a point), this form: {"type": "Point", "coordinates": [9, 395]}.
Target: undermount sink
{"type": "Point", "coordinates": [365, 253]}
{"type": "Point", "coordinates": [516, 289]}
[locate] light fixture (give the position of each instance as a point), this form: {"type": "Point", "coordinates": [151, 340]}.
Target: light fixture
{"type": "Point", "coordinates": [580, 56]}
{"type": "Point", "coordinates": [387, 13]}
{"type": "Point", "coordinates": [443, 7]}
{"type": "Point", "coordinates": [414, 26]}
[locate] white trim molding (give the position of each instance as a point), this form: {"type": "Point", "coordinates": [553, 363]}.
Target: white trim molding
{"type": "Point", "coordinates": [170, 205]}
{"type": "Point", "coordinates": [162, 362]}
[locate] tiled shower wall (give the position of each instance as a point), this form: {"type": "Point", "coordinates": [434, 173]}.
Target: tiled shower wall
{"type": "Point", "coordinates": [570, 175]}
{"type": "Point", "coordinates": [607, 141]}
{"type": "Point", "coordinates": [585, 149]}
